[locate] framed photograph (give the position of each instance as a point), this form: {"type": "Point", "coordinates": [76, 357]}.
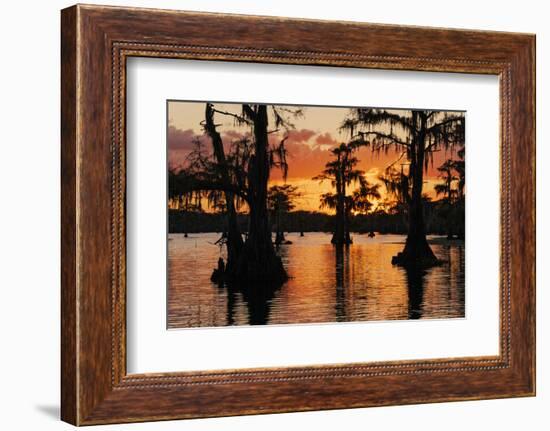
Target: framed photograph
{"type": "Point", "coordinates": [259, 216]}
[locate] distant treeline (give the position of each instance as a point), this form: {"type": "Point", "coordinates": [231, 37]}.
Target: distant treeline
{"type": "Point", "coordinates": [436, 214]}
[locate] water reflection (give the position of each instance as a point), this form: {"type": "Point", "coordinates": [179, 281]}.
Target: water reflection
{"type": "Point", "coordinates": [415, 289]}
{"type": "Point", "coordinates": [342, 270]}
{"type": "Point", "coordinates": [257, 299]}
{"type": "Point", "coordinates": [327, 284]}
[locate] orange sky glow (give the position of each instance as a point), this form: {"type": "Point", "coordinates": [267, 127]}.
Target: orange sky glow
{"type": "Point", "coordinates": [308, 145]}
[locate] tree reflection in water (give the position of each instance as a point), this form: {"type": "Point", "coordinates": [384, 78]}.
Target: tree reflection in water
{"type": "Point", "coordinates": [327, 284]}
{"type": "Point", "coordinates": [342, 285]}
{"type": "Point", "coordinates": [257, 298]}
{"type": "Point", "coordinates": [415, 288]}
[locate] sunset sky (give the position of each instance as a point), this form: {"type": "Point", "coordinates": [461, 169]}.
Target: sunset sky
{"type": "Point", "coordinates": [308, 146]}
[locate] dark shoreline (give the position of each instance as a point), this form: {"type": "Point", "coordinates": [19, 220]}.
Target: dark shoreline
{"type": "Point", "coordinates": [441, 239]}
{"type": "Point", "coordinates": [307, 221]}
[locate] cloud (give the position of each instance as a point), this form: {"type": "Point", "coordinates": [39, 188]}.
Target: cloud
{"type": "Point", "coordinates": [305, 159]}
{"type": "Point", "coordinates": [326, 139]}
{"type": "Point", "coordinates": [302, 135]}
{"type": "Point", "coordinates": [308, 152]}
{"type": "Point", "coordinates": [180, 144]}
{"type": "Point", "coordinates": [177, 158]}
{"type": "Point", "coordinates": [181, 140]}
{"type": "Point", "coordinates": [233, 135]}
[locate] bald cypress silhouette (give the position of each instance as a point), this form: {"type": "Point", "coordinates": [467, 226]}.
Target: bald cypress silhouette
{"type": "Point", "coordinates": [234, 239]}
{"type": "Point", "coordinates": [239, 171]}
{"type": "Point", "coordinates": [342, 173]}
{"type": "Point", "coordinates": [280, 200]}
{"type": "Point", "coordinates": [415, 135]}
{"type": "Point", "coordinates": [258, 260]}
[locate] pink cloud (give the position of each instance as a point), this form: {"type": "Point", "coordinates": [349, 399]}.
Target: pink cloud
{"type": "Point", "coordinates": [233, 135]}
{"type": "Point", "coordinates": [182, 142]}
{"type": "Point", "coordinates": [326, 139]}
{"type": "Point", "coordinates": [302, 135]}
{"type": "Point", "coordinates": [308, 151]}
{"type": "Point", "coordinates": [306, 158]}
{"type": "Point", "coordinates": [181, 139]}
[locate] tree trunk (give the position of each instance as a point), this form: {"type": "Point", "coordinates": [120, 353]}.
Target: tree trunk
{"type": "Point", "coordinates": [279, 233]}
{"type": "Point", "coordinates": [417, 251]}
{"type": "Point", "coordinates": [258, 261]}
{"type": "Point", "coordinates": [347, 236]}
{"type": "Point", "coordinates": [450, 206]}
{"type": "Point", "coordinates": [234, 241]}
{"type": "Point", "coordinates": [347, 221]}
{"type": "Point", "coordinates": [338, 237]}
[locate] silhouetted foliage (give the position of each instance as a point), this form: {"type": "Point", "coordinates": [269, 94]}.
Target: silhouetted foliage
{"type": "Point", "coordinates": [280, 200]}
{"type": "Point", "coordinates": [415, 135]}
{"type": "Point", "coordinates": [342, 173]}
{"type": "Point", "coordinates": [240, 177]}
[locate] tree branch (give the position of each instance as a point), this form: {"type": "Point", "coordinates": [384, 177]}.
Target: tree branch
{"type": "Point", "coordinates": [207, 185]}
{"type": "Point", "coordinates": [237, 117]}
{"type": "Point", "coordinates": [249, 111]}
{"type": "Point", "coordinates": [390, 137]}
{"type": "Point", "coordinates": [448, 120]}
{"type": "Point", "coordinates": [397, 160]}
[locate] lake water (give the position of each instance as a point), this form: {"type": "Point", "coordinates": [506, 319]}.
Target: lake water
{"type": "Point", "coordinates": [327, 284]}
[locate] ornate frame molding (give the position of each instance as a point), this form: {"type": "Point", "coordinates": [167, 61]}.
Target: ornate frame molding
{"type": "Point", "coordinates": [96, 41]}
